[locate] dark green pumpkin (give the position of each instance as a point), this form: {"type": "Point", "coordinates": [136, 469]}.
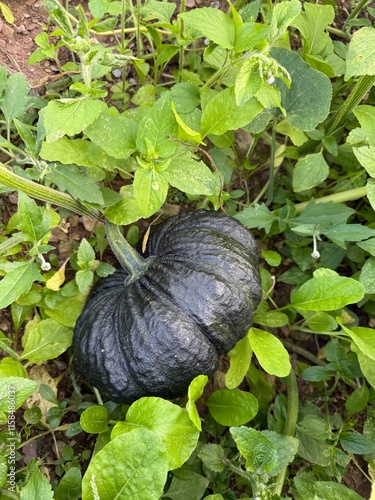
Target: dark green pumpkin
{"type": "Point", "coordinates": [152, 332]}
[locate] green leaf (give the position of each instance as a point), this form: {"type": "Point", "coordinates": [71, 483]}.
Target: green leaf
{"type": "Point", "coordinates": [286, 449]}
{"type": "Point", "coordinates": [327, 293]}
{"type": "Point", "coordinates": [85, 254]}
{"type": "Point", "coordinates": [94, 419]}
{"type": "Point", "coordinates": [33, 220]}
{"type": "Point", "coordinates": [322, 490]}
{"type": "Point", "coordinates": [114, 134]}
{"type": "Point", "coordinates": [10, 367]}
{"type": "Point", "coordinates": [133, 465]}
{"type": "Point", "coordinates": [355, 443]}
{"type": "Point", "coordinates": [367, 276]}
{"type": "Point", "coordinates": [150, 190]}
{"type": "Point", "coordinates": [309, 171]}
{"type": "Point", "coordinates": [232, 407]}
{"type": "Point", "coordinates": [185, 96]}
{"type": "Point", "coordinates": [248, 81]}
{"type": "Point", "coordinates": [272, 319]}
{"type": "Point", "coordinates": [46, 340]}
{"type": "Point", "coordinates": [195, 391]}
{"type": "Point", "coordinates": [37, 487]}
{"type": "Point", "coordinates": [221, 113]}
{"type": "Point", "coordinates": [185, 133]}
{"type": "Point", "coordinates": [324, 215]}
{"type": "Point", "coordinates": [312, 24]}
{"type": "Point", "coordinates": [98, 7]}
{"type": "Point", "coordinates": [70, 116]}
{"type": "Point", "coordinates": [126, 211]}
{"type": "Point", "coordinates": [187, 485]}
{"type": "Point", "coordinates": [250, 35]}
{"type": "Point", "coordinates": [191, 176]}
{"type": "Point", "coordinates": [259, 216]}
{"type": "Point", "coordinates": [363, 338]}
{"type": "Point", "coordinates": [240, 358]}
{"type": "Point", "coordinates": [213, 457]}
{"type": "Point", "coordinates": [163, 11]}
{"type": "Point", "coordinates": [316, 374]}
{"type": "Point", "coordinates": [213, 24]}
{"type": "Point", "coordinates": [283, 14]}
{"type": "Point", "coordinates": [271, 354]}
{"type": "Point", "coordinates": [15, 98]}
{"type": "Point", "coordinates": [307, 102]}
{"type": "Point", "coordinates": [360, 59]}
{"type": "Point", "coordinates": [72, 304]}
{"type": "Point", "coordinates": [18, 280]}
{"type": "Point", "coordinates": [77, 183]}
{"type": "Point", "coordinates": [365, 114]}
{"type": "Point", "coordinates": [70, 485]}
{"type": "Point", "coordinates": [366, 364]}
{"type": "Point", "coordinates": [366, 157]}
{"type": "Point", "coordinates": [170, 422]}
{"type": "Point", "coordinates": [7, 13]}
{"type": "Point", "coordinates": [271, 257]}
{"type": "Point", "coordinates": [258, 451]}
{"type": "Point", "coordinates": [357, 400]}
{"type": "Point", "coordinates": [348, 232]}
{"type": "Point", "coordinates": [15, 390]}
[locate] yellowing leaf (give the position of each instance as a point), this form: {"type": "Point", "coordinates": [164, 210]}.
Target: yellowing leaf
{"type": "Point", "coordinates": [185, 133]}
{"type": "Point", "coordinates": [7, 13]}
{"type": "Point", "coordinates": [57, 279]}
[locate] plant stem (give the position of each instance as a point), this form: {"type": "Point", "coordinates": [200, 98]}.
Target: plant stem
{"type": "Point", "coordinates": [271, 177]}
{"type": "Point", "coordinates": [340, 33]}
{"type": "Point", "coordinates": [127, 256]}
{"type": "Point", "coordinates": [349, 195]}
{"type": "Point", "coordinates": [181, 48]}
{"type": "Point", "coordinates": [290, 423]}
{"type": "Point", "coordinates": [361, 5]}
{"type": "Point", "coordinates": [44, 193]}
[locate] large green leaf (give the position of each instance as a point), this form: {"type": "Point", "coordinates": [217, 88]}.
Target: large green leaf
{"type": "Point", "coordinates": [33, 221]}
{"type": "Point", "coordinates": [232, 407]}
{"type": "Point", "coordinates": [365, 114]}
{"type": "Point", "coordinates": [283, 14]}
{"type": "Point", "coordinates": [20, 277]}
{"type": "Point", "coordinates": [322, 490]}
{"type": "Point", "coordinates": [360, 59]}
{"type": "Point", "coordinates": [191, 176]}
{"type": "Point", "coordinates": [125, 211]}
{"type": "Point", "coordinates": [15, 98]}
{"type": "Point", "coordinates": [270, 352]}
{"type": "Point", "coordinates": [240, 358]}
{"type": "Point", "coordinates": [170, 422]}
{"type": "Point", "coordinates": [94, 419]}
{"type": "Point", "coordinates": [328, 293]}
{"type": "Point", "coordinates": [70, 485]}
{"type": "Point", "coordinates": [310, 171]}
{"type": "Point", "coordinates": [46, 340]}
{"type": "Point", "coordinates": [213, 24]}
{"type": "Point", "coordinates": [222, 113]}
{"type": "Point", "coordinates": [77, 183]}
{"type": "Point", "coordinates": [363, 338]}
{"type": "Point", "coordinates": [307, 102]}
{"type": "Point", "coordinates": [70, 116]}
{"type": "Point", "coordinates": [260, 454]}
{"type": "Point", "coordinates": [312, 24]}
{"type": "Point", "coordinates": [37, 486]}
{"type": "Point", "coordinates": [115, 134]}
{"type": "Point", "coordinates": [150, 190]}
{"type": "Point", "coordinates": [133, 465]}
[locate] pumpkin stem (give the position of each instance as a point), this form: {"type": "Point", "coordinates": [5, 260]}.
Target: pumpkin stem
{"type": "Point", "coordinates": [127, 256]}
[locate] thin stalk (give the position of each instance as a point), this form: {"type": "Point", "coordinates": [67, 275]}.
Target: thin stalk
{"type": "Point", "coordinates": [182, 48]}
{"type": "Point", "coordinates": [44, 193]}
{"type": "Point", "coordinates": [340, 33]}
{"type": "Point", "coordinates": [123, 10]}
{"type": "Point", "coordinates": [290, 423]}
{"type": "Point", "coordinates": [127, 256]}
{"type": "Point", "coordinates": [271, 177]}
{"type": "Point", "coordinates": [361, 5]}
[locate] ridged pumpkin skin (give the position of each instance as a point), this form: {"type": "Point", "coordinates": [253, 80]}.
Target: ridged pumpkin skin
{"type": "Point", "coordinates": [194, 302]}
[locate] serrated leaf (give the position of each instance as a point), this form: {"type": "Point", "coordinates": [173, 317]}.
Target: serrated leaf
{"type": "Point", "coordinates": [240, 358]}
{"type": "Point", "coordinates": [20, 387]}
{"type": "Point", "coordinates": [355, 443]}
{"type": "Point", "coordinates": [72, 151]}
{"type": "Point", "coordinates": [258, 451]}
{"type": "Point", "coordinates": [213, 24]}
{"type": "Point", "coordinates": [250, 35]}
{"type": "Point", "coordinates": [213, 457]}
{"type": "Point", "coordinates": [18, 281]}
{"type": "Point", "coordinates": [124, 212]}
{"type": "Point", "coordinates": [283, 14]}
{"type": "Point", "coordinates": [322, 490]}
{"type": "Point", "coordinates": [33, 220]}
{"type": "Point", "coordinates": [259, 216]}
{"type": "Point", "coordinates": [221, 113]}
{"type": "Point", "coordinates": [195, 391]}
{"type": "Point", "coordinates": [248, 81]}
{"type": "Point", "coordinates": [15, 97]}
{"type": "Point", "coordinates": [232, 407]}
{"type": "Point", "coordinates": [271, 354]}
{"type": "Point", "coordinates": [70, 116]}
{"type": "Point", "coordinates": [114, 134]}
{"type": "Point", "coordinates": [187, 484]}
{"type": "Point", "coordinates": [85, 254]}
{"type": "Point", "coordinates": [162, 11]}
{"type": "Point", "coordinates": [360, 59]}
{"type": "Point", "coordinates": [327, 293]}
{"type": "Point", "coordinates": [37, 487]}
{"type": "Point", "coordinates": [316, 374]}
{"type": "Point", "coordinates": [185, 97]}
{"type": "Point", "coordinates": [142, 468]}
{"type": "Point", "coordinates": [84, 279]}
{"type": "Point", "coordinates": [77, 183]}
{"type": "Point", "coordinates": [324, 215]}
{"type": "Point", "coordinates": [309, 171]}
{"type": "Point", "coordinates": [191, 176]}
{"type": "Point", "coordinates": [170, 422]}
{"type": "Point", "coordinates": [286, 449]}
{"type": "Point", "coordinates": [307, 102]}
{"type": "Point", "coordinates": [312, 24]}
{"type": "Point", "coordinates": [339, 233]}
